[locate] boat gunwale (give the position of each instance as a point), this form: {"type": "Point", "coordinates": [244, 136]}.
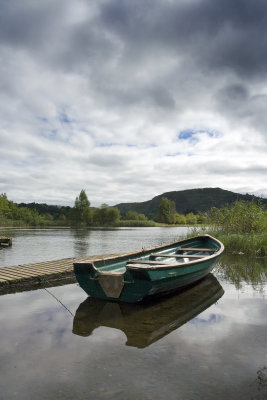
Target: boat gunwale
{"type": "Point", "coordinates": [181, 265]}
{"type": "Point", "coordinates": [159, 266]}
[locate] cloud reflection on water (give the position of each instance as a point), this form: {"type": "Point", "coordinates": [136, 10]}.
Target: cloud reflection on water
{"type": "Point", "coordinates": [215, 355]}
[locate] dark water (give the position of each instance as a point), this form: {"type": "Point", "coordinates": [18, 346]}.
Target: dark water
{"type": "Point", "coordinates": [207, 342]}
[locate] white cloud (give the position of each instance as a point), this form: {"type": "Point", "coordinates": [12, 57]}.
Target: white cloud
{"type": "Point", "coordinates": [96, 97]}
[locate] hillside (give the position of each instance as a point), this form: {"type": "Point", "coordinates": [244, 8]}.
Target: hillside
{"type": "Point", "coordinates": [192, 200]}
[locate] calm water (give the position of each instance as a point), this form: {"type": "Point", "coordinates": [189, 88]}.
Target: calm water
{"type": "Point", "coordinates": [30, 245]}
{"type": "Point", "coordinates": [208, 342]}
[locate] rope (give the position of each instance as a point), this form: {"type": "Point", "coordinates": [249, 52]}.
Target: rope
{"type": "Point", "coordinates": [66, 308]}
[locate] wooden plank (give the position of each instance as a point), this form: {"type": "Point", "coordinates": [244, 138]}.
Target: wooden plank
{"type": "Point", "coordinates": [19, 275]}
{"type": "Point", "coordinates": [35, 268]}
{"type": "Point", "coordinates": [39, 267]}
{"type": "Point", "coordinates": [145, 262]}
{"type": "Point", "coordinates": [43, 267]}
{"type": "Point", "coordinates": [44, 263]}
{"type": "Point", "coordinates": [48, 269]}
{"type": "Point", "coordinates": [14, 275]}
{"type": "Point", "coordinates": [6, 278]}
{"type": "Point", "coordinates": [37, 271]}
{"type": "Point", "coordinates": [33, 272]}
{"type": "Point", "coordinates": [180, 255]}
{"type": "Point", "coordinates": [195, 249]}
{"type": "Point", "coordinates": [157, 266]}
{"type": "Point", "coordinates": [5, 240]}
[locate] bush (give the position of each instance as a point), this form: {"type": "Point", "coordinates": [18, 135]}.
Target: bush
{"type": "Point", "coordinates": [241, 217]}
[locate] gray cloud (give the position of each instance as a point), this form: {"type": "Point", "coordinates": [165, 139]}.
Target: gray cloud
{"type": "Point", "coordinates": [129, 77]}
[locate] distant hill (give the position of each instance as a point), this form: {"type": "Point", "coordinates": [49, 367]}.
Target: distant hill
{"type": "Point", "coordinates": [192, 200]}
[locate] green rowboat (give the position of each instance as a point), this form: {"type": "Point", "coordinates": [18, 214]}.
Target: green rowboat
{"type": "Point", "coordinates": [137, 276]}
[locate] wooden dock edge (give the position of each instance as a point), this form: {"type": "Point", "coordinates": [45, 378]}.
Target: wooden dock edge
{"type": "Point", "coordinates": [5, 241]}
{"type": "Point", "coordinates": [58, 273]}
{"type": "Point", "coordinates": [35, 283]}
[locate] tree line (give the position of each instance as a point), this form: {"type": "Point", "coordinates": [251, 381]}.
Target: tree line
{"type": "Point", "coordinates": [83, 215]}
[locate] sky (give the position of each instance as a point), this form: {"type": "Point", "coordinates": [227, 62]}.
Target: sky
{"type": "Point", "coordinates": [130, 99]}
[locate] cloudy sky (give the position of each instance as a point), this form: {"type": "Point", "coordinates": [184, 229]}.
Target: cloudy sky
{"type": "Point", "coordinates": [129, 99]}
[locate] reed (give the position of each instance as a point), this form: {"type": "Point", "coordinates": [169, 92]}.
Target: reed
{"type": "Point", "coordinates": [242, 227]}
{"type": "Point", "coordinates": [251, 244]}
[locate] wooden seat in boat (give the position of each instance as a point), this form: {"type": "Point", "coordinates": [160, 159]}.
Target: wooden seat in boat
{"type": "Point", "coordinates": [178, 255]}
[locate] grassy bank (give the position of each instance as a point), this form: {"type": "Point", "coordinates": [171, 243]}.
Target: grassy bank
{"type": "Point", "coordinates": [251, 244]}
{"type": "Point", "coordinates": [242, 227]}
{"type": "Point", "coordinates": [135, 223]}
{"type": "Point", "coordinates": [10, 223]}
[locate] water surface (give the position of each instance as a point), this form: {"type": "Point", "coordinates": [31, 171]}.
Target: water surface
{"type": "Point", "coordinates": [208, 342]}
{"type": "Point", "coordinates": [32, 245]}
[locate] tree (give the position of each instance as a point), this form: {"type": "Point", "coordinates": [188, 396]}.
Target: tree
{"type": "Point", "coordinates": [180, 219]}
{"type": "Point", "coordinates": [191, 218]}
{"type": "Point", "coordinates": [106, 215]}
{"type": "Point", "coordinates": [111, 216]}
{"type": "Point", "coordinates": [167, 211]}
{"type": "Point", "coordinates": [134, 216]}
{"type": "Point", "coordinates": [81, 213]}
{"type": "Point", "coordinates": [5, 211]}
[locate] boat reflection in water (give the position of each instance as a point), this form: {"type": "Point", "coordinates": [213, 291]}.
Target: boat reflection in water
{"type": "Point", "coordinates": [146, 323]}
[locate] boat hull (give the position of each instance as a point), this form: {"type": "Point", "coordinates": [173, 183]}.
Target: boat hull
{"type": "Point", "coordinates": [116, 279]}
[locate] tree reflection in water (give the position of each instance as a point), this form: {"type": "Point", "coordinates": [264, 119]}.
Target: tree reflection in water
{"type": "Point", "coordinates": [81, 242]}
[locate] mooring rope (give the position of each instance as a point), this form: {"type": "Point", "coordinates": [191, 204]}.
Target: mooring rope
{"type": "Point", "coordinates": [58, 301]}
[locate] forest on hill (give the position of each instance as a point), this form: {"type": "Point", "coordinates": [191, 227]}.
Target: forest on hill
{"type": "Point", "coordinates": [188, 207]}
{"type": "Point", "coordinates": [189, 201]}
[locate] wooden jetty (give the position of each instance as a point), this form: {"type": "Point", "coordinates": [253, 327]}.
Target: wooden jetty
{"type": "Point", "coordinates": [6, 241]}
{"type": "Point", "coordinates": [42, 274]}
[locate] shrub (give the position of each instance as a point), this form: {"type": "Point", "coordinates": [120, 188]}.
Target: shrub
{"type": "Point", "coordinates": [241, 217]}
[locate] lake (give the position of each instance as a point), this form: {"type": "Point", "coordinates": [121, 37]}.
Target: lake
{"type": "Point", "coordinates": [207, 342]}
{"type": "Point", "coordinates": [34, 245]}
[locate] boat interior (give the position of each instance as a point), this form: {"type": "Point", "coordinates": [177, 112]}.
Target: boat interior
{"type": "Point", "coordinates": [177, 255]}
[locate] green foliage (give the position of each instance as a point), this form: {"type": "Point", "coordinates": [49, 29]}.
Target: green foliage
{"type": "Point", "coordinates": [241, 217]}
{"type": "Point", "coordinates": [46, 209]}
{"type": "Point", "coordinates": [166, 211]}
{"type": "Point", "coordinates": [251, 244]}
{"type": "Point", "coordinates": [134, 216]}
{"type": "Point", "coordinates": [180, 219]}
{"type": "Point", "coordinates": [241, 227]}
{"type": "Point", "coordinates": [136, 223]}
{"type": "Point", "coordinates": [191, 218]}
{"type": "Point", "coordinates": [202, 218]}
{"type": "Point", "coordinates": [21, 216]}
{"type": "Point", "coordinates": [106, 216]}
{"type": "Point", "coordinates": [5, 207]}
{"type": "Point", "coordinates": [81, 214]}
